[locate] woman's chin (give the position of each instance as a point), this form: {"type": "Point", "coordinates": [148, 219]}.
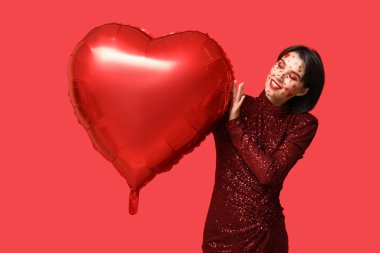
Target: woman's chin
{"type": "Point", "coordinates": [269, 92]}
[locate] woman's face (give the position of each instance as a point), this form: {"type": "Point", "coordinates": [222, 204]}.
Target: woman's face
{"type": "Point", "coordinates": [284, 79]}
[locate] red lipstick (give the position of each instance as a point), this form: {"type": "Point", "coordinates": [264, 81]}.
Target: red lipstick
{"type": "Point", "coordinates": [274, 85]}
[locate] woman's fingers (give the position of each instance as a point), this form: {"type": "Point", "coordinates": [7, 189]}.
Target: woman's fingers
{"type": "Point", "coordinates": [241, 101]}
{"type": "Point", "coordinates": [234, 91]}
{"type": "Point", "coordinates": [241, 90]}
{"type": "Point", "coordinates": [238, 93]}
{"type": "Point", "coordinates": [238, 99]}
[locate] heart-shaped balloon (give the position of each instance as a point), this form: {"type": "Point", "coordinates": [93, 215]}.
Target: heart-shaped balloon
{"type": "Point", "coordinates": [146, 102]}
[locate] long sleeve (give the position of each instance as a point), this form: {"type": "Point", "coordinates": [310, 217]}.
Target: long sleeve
{"type": "Point", "coordinates": [272, 168]}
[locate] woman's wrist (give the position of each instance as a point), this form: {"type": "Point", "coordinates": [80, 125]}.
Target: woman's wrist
{"type": "Point", "coordinates": [234, 117]}
{"type": "Point", "coordinates": [233, 121]}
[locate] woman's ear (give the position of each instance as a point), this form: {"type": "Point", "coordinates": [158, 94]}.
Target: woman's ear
{"type": "Point", "coordinates": [301, 93]}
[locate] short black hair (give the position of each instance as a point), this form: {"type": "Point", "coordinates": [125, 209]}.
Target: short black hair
{"type": "Point", "coordinates": [314, 78]}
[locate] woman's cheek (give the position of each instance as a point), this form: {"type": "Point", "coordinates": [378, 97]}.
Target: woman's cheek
{"type": "Point", "coordinates": [288, 89]}
{"type": "Point", "coordinates": [291, 86]}
{"type": "Point", "coordinates": [294, 87]}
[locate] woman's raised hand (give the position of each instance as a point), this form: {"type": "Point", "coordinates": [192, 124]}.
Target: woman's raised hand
{"type": "Point", "coordinates": [237, 100]}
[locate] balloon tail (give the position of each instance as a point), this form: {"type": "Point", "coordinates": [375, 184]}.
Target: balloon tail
{"type": "Point", "coordinates": [133, 201]}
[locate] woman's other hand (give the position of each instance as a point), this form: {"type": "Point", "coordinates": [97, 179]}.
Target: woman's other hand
{"type": "Point", "coordinates": [237, 100]}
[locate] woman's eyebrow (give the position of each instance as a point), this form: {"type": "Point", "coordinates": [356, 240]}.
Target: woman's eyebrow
{"type": "Point", "coordinates": [292, 70]}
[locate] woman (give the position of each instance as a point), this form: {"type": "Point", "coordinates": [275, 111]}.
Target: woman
{"type": "Point", "coordinates": [256, 148]}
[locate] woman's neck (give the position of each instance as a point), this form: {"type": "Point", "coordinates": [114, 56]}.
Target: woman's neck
{"type": "Point", "coordinates": [274, 101]}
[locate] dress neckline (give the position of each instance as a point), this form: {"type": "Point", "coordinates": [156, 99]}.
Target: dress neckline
{"type": "Point", "coordinates": [269, 107]}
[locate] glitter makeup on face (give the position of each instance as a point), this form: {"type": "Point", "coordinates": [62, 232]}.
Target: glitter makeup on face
{"type": "Point", "coordinates": [281, 73]}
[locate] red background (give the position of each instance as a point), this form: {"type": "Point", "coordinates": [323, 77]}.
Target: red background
{"type": "Point", "coordinates": [59, 195]}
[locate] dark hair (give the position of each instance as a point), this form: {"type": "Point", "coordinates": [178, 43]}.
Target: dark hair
{"type": "Point", "coordinates": [314, 78]}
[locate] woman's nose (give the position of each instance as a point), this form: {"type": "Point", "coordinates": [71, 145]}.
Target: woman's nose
{"type": "Point", "coordinates": [280, 77]}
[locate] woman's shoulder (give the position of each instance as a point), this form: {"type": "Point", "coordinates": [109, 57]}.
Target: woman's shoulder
{"type": "Point", "coordinates": [306, 117]}
{"type": "Point", "coordinates": [249, 97]}
{"type": "Point", "coordinates": [246, 106]}
{"type": "Point", "coordinates": [305, 121]}
{"type": "Point", "coordinates": [248, 100]}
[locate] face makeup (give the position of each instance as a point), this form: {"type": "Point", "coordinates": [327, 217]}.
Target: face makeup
{"type": "Point", "coordinates": [284, 79]}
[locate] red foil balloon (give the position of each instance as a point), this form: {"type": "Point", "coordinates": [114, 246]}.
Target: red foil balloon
{"type": "Point", "coordinates": [146, 102]}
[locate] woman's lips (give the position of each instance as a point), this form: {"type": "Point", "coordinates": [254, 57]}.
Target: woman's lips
{"type": "Point", "coordinates": [274, 85]}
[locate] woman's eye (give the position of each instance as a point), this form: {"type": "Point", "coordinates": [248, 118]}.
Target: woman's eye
{"type": "Point", "coordinates": [293, 78]}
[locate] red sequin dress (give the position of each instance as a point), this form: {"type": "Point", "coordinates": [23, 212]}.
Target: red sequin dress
{"type": "Point", "coordinates": [254, 154]}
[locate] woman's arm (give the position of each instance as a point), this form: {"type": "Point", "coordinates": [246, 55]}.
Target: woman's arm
{"type": "Point", "coordinates": [272, 168]}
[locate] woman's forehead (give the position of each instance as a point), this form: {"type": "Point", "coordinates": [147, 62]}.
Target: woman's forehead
{"type": "Point", "coordinates": [292, 58]}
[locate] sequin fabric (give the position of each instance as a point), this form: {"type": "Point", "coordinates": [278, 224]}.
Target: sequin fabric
{"type": "Point", "coordinates": [254, 154]}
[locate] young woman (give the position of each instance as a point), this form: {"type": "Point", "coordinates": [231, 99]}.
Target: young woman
{"type": "Point", "coordinates": [257, 142]}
